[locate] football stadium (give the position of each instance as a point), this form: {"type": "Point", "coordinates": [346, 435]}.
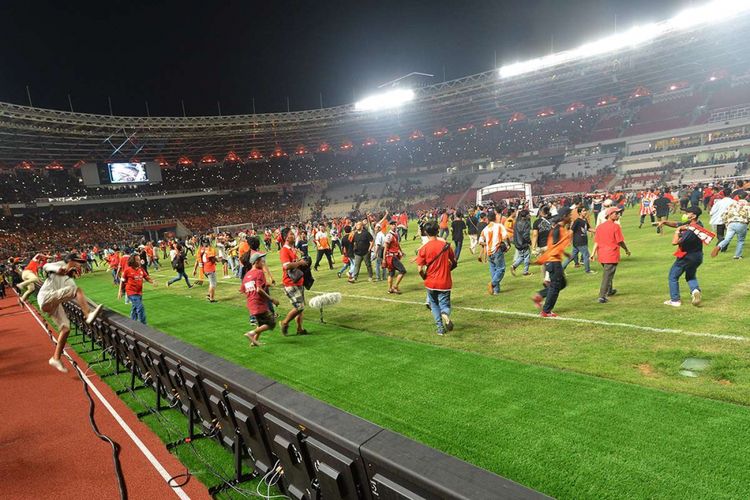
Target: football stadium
{"type": "Point", "coordinates": [526, 282]}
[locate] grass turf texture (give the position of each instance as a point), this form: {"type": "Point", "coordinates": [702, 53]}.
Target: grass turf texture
{"type": "Point", "coordinates": [567, 408]}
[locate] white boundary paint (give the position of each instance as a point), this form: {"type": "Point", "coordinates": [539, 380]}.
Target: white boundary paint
{"type": "Point", "coordinates": [572, 320]}
{"type": "Point", "coordinates": [133, 436]}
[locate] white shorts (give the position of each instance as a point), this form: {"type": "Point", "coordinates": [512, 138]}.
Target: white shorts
{"type": "Point", "coordinates": [55, 291]}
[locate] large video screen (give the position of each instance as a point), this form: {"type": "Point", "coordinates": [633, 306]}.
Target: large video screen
{"type": "Point", "coordinates": [127, 173]}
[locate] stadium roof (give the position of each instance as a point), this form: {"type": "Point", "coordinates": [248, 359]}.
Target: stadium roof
{"type": "Point", "coordinates": [692, 55]}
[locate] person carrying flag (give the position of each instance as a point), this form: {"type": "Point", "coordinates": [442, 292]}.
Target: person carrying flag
{"type": "Point", "coordinates": [689, 238]}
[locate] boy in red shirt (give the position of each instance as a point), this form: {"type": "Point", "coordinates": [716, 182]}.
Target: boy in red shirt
{"type": "Point", "coordinates": [132, 281]}
{"type": "Point", "coordinates": [436, 260]}
{"type": "Point", "coordinates": [254, 286]}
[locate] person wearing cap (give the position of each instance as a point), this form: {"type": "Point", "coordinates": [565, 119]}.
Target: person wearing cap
{"type": "Point", "coordinates": [608, 240]}
{"type": "Point", "coordinates": [602, 217]}
{"type": "Point", "coordinates": [558, 240]}
{"type": "Point", "coordinates": [132, 282]}
{"type": "Point", "coordinates": [689, 257]}
{"type": "Point", "coordinates": [255, 288]}
{"type": "Point", "coordinates": [60, 287]}
{"type": "Point", "coordinates": [493, 241]}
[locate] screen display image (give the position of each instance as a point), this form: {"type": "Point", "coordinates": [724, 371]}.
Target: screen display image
{"type": "Point", "coordinates": [127, 172]}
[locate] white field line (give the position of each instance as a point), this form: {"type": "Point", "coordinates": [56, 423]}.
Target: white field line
{"type": "Point", "coordinates": [531, 315]}
{"type": "Point", "coordinates": [572, 320]}
{"type": "Point", "coordinates": [133, 436]}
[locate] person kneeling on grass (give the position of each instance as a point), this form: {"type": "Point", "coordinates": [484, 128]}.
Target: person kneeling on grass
{"type": "Point", "coordinates": [58, 288]}
{"type": "Point", "coordinates": [132, 282]}
{"type": "Point", "coordinates": [254, 286]}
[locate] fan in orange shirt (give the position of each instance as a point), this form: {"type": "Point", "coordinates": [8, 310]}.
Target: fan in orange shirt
{"type": "Point", "coordinates": [557, 241]}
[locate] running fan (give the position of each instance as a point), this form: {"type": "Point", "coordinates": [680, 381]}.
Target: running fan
{"type": "Point", "coordinates": [323, 300]}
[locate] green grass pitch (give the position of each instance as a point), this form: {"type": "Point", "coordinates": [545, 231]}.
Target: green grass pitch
{"type": "Point", "coordinates": [590, 406]}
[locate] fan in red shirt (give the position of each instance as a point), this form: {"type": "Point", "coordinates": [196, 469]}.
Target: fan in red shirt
{"type": "Point", "coordinates": [30, 276]}
{"type": "Point", "coordinates": [607, 243]}
{"type": "Point", "coordinates": [132, 280]}
{"type": "Point", "coordinates": [293, 288]}
{"type": "Point", "coordinates": [436, 260]}
{"type": "Point", "coordinates": [254, 286]}
{"type": "Point", "coordinates": [114, 262]}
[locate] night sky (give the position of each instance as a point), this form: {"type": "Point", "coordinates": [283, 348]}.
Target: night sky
{"type": "Point", "coordinates": [233, 51]}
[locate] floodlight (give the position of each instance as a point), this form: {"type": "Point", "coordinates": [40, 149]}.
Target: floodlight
{"type": "Point", "coordinates": [712, 12]}
{"type": "Point", "coordinates": [386, 100]}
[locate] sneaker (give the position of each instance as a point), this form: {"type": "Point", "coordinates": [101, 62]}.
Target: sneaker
{"type": "Point", "coordinates": [715, 251]}
{"type": "Point", "coordinates": [548, 315]}
{"type": "Point", "coordinates": [284, 329]}
{"type": "Point", "coordinates": [528, 274]}
{"type": "Point", "coordinates": [447, 323]}
{"type": "Point", "coordinates": [696, 297]}
{"type": "Point", "coordinates": [673, 303]}
{"type": "Point", "coordinates": [603, 300]}
{"type": "Point", "coordinates": [57, 364]}
{"type": "Point", "coordinates": [513, 270]}
{"type": "Point", "coordinates": [737, 257]}
{"type": "Point", "coordinates": [537, 299]}
{"type": "Point", "coordinates": [440, 333]}
{"type": "Point", "coordinates": [369, 279]}
{"type": "Point", "coordinates": [612, 292]}
{"type": "Point", "coordinates": [489, 289]}
{"type": "Point", "coordinates": [590, 271]}
{"type": "Point", "coordinates": [428, 306]}
{"type": "Point", "coordinates": [93, 314]}
{"type": "Point", "coordinates": [169, 283]}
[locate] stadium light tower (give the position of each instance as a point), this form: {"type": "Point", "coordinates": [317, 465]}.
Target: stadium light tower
{"type": "Point", "coordinates": [711, 12]}
{"type": "Point", "coordinates": [385, 100]}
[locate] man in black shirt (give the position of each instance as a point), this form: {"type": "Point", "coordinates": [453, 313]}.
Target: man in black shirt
{"type": "Point", "coordinates": [472, 223]}
{"type": "Point", "coordinates": [458, 226]}
{"type": "Point", "coordinates": [662, 206]}
{"type": "Point", "coordinates": [362, 241]}
{"type": "Point", "coordinates": [540, 231]}
{"type": "Point", "coordinates": [581, 230]}
{"type": "Point", "coordinates": [303, 245]}
{"type": "Point", "coordinates": [689, 258]}
{"type": "Point", "coordinates": [596, 207]}
{"type": "Point", "coordinates": [739, 192]}
{"type": "Point", "coordinates": [522, 242]}
{"type": "Point", "coordinates": [178, 263]}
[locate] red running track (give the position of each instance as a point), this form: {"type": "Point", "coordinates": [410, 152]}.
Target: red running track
{"type": "Point", "coordinates": [47, 447]}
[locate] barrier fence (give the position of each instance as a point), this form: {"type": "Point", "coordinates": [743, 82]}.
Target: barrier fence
{"type": "Point", "coordinates": [317, 450]}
